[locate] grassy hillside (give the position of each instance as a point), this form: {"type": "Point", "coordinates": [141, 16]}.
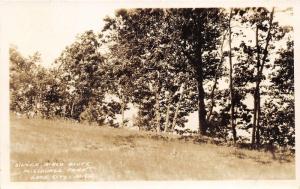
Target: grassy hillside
{"type": "Point", "coordinates": [63, 150]}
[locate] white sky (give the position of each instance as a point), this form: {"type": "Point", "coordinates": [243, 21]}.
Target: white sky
{"type": "Point", "coordinates": [49, 27]}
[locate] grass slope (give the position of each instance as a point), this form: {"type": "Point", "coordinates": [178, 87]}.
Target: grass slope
{"type": "Point", "coordinates": [122, 154]}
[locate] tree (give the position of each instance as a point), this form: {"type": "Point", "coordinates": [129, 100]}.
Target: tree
{"type": "Point", "coordinates": [231, 81]}
{"type": "Point", "coordinates": [34, 89]}
{"type": "Point", "coordinates": [84, 81]}
{"type": "Point", "coordinates": [255, 59]}
{"type": "Point", "coordinates": [169, 63]}
{"type": "Point", "coordinates": [141, 43]}
{"type": "Point", "coordinates": [279, 113]}
{"type": "Point", "coordinates": [23, 83]}
{"type": "Point", "coordinates": [260, 66]}
{"type": "Point", "coordinates": [200, 35]}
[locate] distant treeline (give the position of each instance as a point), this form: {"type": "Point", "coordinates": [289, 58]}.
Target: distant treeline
{"type": "Point", "coordinates": [170, 63]}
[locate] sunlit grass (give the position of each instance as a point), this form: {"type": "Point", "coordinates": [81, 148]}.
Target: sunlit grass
{"type": "Point", "coordinates": [122, 154]}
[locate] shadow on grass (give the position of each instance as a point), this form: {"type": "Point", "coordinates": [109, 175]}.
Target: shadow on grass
{"type": "Point", "coordinates": [245, 150]}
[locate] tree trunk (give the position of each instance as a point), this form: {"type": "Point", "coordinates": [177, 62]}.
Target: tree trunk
{"type": "Point", "coordinates": [198, 65]}
{"type": "Point", "coordinates": [256, 119]}
{"type": "Point", "coordinates": [265, 54]}
{"type": "Point", "coordinates": [258, 126]}
{"type": "Point", "coordinates": [201, 104]}
{"type": "Point", "coordinates": [253, 141]}
{"type": "Point", "coordinates": [255, 94]}
{"type": "Point", "coordinates": [177, 107]}
{"type": "Point", "coordinates": [168, 112]}
{"type": "Point", "coordinates": [72, 109]}
{"type": "Point", "coordinates": [157, 113]}
{"type": "Point", "coordinates": [212, 94]}
{"type": "Point", "coordinates": [231, 85]}
{"type": "Point", "coordinates": [122, 111]}
{"type": "Point", "coordinates": [157, 108]}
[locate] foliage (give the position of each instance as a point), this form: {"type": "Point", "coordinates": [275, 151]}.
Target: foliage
{"type": "Point", "coordinates": [170, 63]}
{"type": "Point", "coordinates": [279, 116]}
